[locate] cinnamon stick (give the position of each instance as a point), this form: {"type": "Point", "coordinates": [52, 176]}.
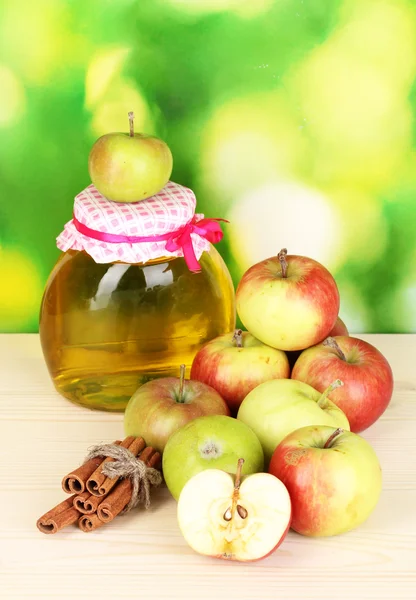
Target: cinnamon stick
{"type": "Point", "coordinates": [109, 482]}
{"type": "Point", "coordinates": [115, 502]}
{"type": "Point", "coordinates": [58, 517]}
{"type": "Point", "coordinates": [89, 523]}
{"type": "Point", "coordinates": [96, 479]}
{"type": "Point", "coordinates": [86, 503]}
{"type": "Point", "coordinates": [74, 482]}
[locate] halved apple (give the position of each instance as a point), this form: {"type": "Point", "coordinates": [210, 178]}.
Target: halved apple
{"type": "Point", "coordinates": [233, 519]}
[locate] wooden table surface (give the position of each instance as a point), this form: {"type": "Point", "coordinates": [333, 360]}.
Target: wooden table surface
{"type": "Point", "coordinates": [143, 555]}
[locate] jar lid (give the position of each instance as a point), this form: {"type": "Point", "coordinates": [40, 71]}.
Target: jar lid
{"type": "Point", "coordinates": [163, 225]}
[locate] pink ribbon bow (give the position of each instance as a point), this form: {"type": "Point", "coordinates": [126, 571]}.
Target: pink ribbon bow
{"type": "Point", "coordinates": [180, 239]}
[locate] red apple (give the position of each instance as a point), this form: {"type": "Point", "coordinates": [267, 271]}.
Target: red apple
{"type": "Point", "coordinates": [234, 364]}
{"type": "Point", "coordinates": [339, 328]}
{"type": "Point", "coordinates": [162, 406]}
{"type": "Point", "coordinates": [333, 477]}
{"type": "Point", "coordinates": [288, 302]}
{"type": "Point", "coordinates": [367, 377]}
{"type": "Point", "coordinates": [233, 519]}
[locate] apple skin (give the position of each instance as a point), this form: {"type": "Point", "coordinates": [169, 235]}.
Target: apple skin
{"type": "Point", "coordinates": [206, 497]}
{"type": "Point", "coordinates": [210, 442]}
{"type": "Point", "coordinates": [128, 168]}
{"type": "Point", "coordinates": [332, 490]}
{"type": "Point", "coordinates": [155, 413]}
{"type": "Point", "coordinates": [234, 371]}
{"type": "Point", "coordinates": [289, 313]}
{"type": "Point", "coordinates": [339, 329]}
{"type": "Point", "coordinates": [367, 377]}
{"type": "Point", "coordinates": [276, 408]}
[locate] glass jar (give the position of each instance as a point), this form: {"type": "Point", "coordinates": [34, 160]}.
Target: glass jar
{"type": "Point", "coordinates": [107, 328]}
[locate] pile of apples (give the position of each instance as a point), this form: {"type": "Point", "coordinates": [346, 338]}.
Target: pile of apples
{"type": "Point", "coordinates": [264, 435]}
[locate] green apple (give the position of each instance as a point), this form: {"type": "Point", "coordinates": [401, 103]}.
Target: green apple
{"type": "Point", "coordinates": [333, 477]}
{"type": "Point", "coordinates": [209, 442]}
{"type": "Point", "coordinates": [276, 408]}
{"type": "Point", "coordinates": [128, 167]}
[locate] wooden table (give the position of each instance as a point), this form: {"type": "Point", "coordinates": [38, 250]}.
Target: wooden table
{"type": "Point", "coordinates": [143, 555]}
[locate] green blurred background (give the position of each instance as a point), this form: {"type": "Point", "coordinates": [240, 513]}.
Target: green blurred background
{"type": "Point", "coordinates": [294, 119]}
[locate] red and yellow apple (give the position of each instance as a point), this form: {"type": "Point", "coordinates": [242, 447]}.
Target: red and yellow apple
{"type": "Point", "coordinates": [234, 364]}
{"type": "Point", "coordinates": [221, 516]}
{"type": "Point", "coordinates": [339, 328]}
{"type": "Point", "coordinates": [128, 167]}
{"type": "Point", "coordinates": [275, 408]}
{"type": "Point", "coordinates": [161, 406]}
{"type": "Point", "coordinates": [333, 477]}
{"type": "Point", "coordinates": [367, 377]}
{"type": "Point", "coordinates": [288, 302]}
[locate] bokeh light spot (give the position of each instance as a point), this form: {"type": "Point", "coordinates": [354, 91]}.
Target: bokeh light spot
{"type": "Point", "coordinates": [34, 34]}
{"type": "Point", "coordinates": [12, 97]}
{"type": "Point", "coordinates": [382, 33]}
{"type": "Point", "coordinates": [104, 66]}
{"type": "Point", "coordinates": [353, 310]}
{"type": "Point", "coordinates": [356, 101]}
{"type": "Point", "coordinates": [111, 113]}
{"type": "Point", "coordinates": [248, 142]}
{"type": "Point", "coordinates": [20, 291]}
{"type": "Point", "coordinates": [364, 228]}
{"type": "Point", "coordinates": [284, 214]}
{"type": "Point", "coordinates": [245, 8]}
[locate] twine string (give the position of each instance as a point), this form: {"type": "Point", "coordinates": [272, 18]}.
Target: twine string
{"type": "Point", "coordinates": [125, 464]}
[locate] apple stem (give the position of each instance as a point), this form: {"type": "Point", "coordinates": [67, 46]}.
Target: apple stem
{"type": "Point", "coordinates": [238, 475]}
{"type": "Point", "coordinates": [334, 385]}
{"type": "Point", "coordinates": [238, 338]}
{"type": "Point", "coordinates": [131, 123]}
{"type": "Point", "coordinates": [230, 512]}
{"type": "Point", "coordinates": [283, 262]}
{"type": "Point", "coordinates": [181, 382]}
{"type": "Point", "coordinates": [332, 343]}
{"type": "Point", "coordinates": [333, 435]}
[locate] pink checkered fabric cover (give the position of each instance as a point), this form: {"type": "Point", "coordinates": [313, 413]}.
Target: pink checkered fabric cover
{"type": "Point", "coordinates": [165, 212]}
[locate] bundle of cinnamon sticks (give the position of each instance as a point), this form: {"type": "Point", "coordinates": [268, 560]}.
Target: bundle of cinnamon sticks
{"type": "Point", "coordinates": [95, 498]}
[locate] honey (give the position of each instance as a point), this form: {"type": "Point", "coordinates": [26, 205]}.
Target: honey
{"type": "Point", "coordinates": [108, 328]}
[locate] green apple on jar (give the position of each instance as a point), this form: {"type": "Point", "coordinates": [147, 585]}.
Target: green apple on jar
{"type": "Point", "coordinates": [129, 167]}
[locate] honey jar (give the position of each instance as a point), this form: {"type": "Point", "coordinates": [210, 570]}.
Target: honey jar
{"type": "Point", "coordinates": [137, 290]}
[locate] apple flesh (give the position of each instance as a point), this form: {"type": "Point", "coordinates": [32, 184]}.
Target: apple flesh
{"type": "Point", "coordinates": [161, 406]}
{"type": "Point", "coordinates": [223, 518]}
{"type": "Point", "coordinates": [333, 477]}
{"type": "Point", "coordinates": [288, 302]}
{"type": "Point", "coordinates": [211, 442]}
{"type": "Point", "coordinates": [367, 377]}
{"type": "Point", "coordinates": [276, 408]}
{"type": "Point", "coordinates": [129, 167]}
{"type": "Point", "coordinates": [234, 364]}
